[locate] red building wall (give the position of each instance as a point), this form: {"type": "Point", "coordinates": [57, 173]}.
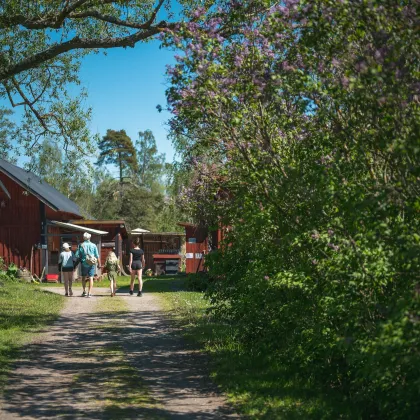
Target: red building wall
{"type": "Point", "coordinates": [195, 250]}
{"type": "Point", "coordinates": [20, 226]}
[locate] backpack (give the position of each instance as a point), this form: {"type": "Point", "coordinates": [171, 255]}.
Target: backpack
{"type": "Point", "coordinates": [89, 259]}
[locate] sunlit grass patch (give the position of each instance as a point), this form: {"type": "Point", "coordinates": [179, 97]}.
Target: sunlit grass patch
{"type": "Point", "coordinates": [122, 281]}
{"type": "Point", "coordinates": [24, 309]}
{"type": "Point", "coordinates": [163, 284]}
{"type": "Point", "coordinates": [111, 304]}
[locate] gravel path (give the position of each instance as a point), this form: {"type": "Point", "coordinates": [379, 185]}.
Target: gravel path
{"type": "Point", "coordinates": [127, 364]}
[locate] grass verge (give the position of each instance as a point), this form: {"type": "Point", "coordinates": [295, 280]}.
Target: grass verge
{"type": "Point", "coordinates": [258, 386]}
{"type": "Point", "coordinates": [24, 309]}
{"type": "Point", "coordinates": [122, 281]}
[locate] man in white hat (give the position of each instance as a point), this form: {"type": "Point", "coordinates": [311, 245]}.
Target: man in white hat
{"type": "Point", "coordinates": [89, 257]}
{"type": "Point", "coordinates": [65, 264]}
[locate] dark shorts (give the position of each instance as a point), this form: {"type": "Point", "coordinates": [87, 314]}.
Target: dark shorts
{"type": "Point", "coordinates": [136, 265]}
{"type": "Point", "coordinates": [88, 270]}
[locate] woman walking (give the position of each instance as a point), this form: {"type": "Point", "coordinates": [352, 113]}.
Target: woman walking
{"type": "Point", "coordinates": [136, 266]}
{"type": "Point", "coordinates": [65, 265]}
{"type": "Point", "coordinates": [112, 265]}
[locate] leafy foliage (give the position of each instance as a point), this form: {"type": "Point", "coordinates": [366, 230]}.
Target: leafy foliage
{"type": "Point", "coordinates": [151, 164]}
{"type": "Point", "coordinates": [7, 130]}
{"type": "Point", "coordinates": [72, 177]}
{"type": "Point", "coordinates": [42, 44]}
{"type": "Point", "coordinates": [300, 129]}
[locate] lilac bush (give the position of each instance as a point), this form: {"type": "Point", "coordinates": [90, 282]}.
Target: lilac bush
{"type": "Point", "coordinates": [299, 121]}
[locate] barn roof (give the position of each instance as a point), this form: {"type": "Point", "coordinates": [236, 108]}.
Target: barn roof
{"type": "Point", "coordinates": [40, 189]}
{"type": "Point", "coordinates": [81, 228]}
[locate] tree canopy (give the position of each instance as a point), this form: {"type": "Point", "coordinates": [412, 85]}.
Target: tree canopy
{"type": "Point", "coordinates": [7, 130]}
{"type": "Point", "coordinates": [117, 148]}
{"type": "Point", "coordinates": [301, 134]}
{"type": "Point", "coordinates": [151, 164]}
{"type": "Point", "coordinates": [42, 44]}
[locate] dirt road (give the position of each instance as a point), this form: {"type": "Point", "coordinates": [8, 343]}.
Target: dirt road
{"type": "Point", "coordinates": [111, 358]}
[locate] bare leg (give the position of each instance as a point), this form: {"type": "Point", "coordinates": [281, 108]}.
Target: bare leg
{"type": "Point", "coordinates": [140, 276]}
{"type": "Point", "coordinates": [111, 283]}
{"type": "Point", "coordinates": [115, 286]}
{"type": "Point", "coordinates": [84, 283]}
{"type": "Point", "coordinates": [66, 282]}
{"type": "Point", "coordinates": [71, 284]}
{"type": "Point", "coordinates": [133, 276]}
{"type": "Point", "coordinates": [90, 285]}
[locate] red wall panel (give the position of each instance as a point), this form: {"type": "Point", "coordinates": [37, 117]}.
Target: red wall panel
{"type": "Point", "coordinates": [20, 226]}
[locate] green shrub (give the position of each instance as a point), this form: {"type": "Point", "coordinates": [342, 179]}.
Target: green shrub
{"type": "Point", "coordinates": [302, 139]}
{"type": "Point", "coordinates": [12, 270]}
{"type": "Point", "coordinates": [197, 282]}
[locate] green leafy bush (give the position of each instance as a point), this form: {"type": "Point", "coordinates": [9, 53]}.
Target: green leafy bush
{"type": "Point", "coordinates": [197, 282]}
{"type": "Point", "coordinates": [302, 139]}
{"type": "Point", "coordinates": [12, 270]}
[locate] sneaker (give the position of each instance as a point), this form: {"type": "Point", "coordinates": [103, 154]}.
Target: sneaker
{"type": "Point", "coordinates": [131, 293]}
{"type": "Point", "coordinates": [71, 293]}
{"type": "Point", "coordinates": [66, 294]}
{"type": "Point", "coordinates": [112, 294]}
{"type": "Point", "coordinates": [140, 294]}
{"type": "Point", "coordinates": [83, 294]}
{"type": "Point", "coordinates": [89, 295]}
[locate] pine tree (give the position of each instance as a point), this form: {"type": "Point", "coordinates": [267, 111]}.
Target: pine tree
{"type": "Point", "coordinates": [117, 149]}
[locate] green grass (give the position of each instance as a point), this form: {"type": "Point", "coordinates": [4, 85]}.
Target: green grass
{"type": "Point", "coordinates": [258, 386]}
{"type": "Point", "coordinates": [24, 309]}
{"type": "Point", "coordinates": [111, 304]}
{"type": "Point", "coordinates": [122, 281]}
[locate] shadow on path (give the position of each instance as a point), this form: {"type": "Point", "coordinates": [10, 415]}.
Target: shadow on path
{"type": "Point", "coordinates": [116, 365]}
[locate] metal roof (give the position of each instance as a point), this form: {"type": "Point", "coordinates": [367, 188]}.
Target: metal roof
{"type": "Point", "coordinates": [99, 222]}
{"type": "Point", "coordinates": [78, 227]}
{"type": "Point", "coordinates": [40, 189]}
{"type": "Point", "coordinates": [139, 231]}
{"type": "Point", "coordinates": [163, 234]}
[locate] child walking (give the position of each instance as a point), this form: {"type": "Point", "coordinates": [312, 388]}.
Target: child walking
{"type": "Point", "coordinates": [65, 266]}
{"type": "Point", "coordinates": [112, 265]}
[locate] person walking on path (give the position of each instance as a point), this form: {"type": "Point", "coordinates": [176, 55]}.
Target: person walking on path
{"type": "Point", "coordinates": [136, 266]}
{"type": "Point", "coordinates": [65, 265]}
{"type": "Point", "coordinates": [112, 265]}
{"type": "Point", "coordinates": [89, 257]}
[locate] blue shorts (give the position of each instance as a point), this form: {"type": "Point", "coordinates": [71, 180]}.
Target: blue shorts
{"type": "Point", "coordinates": [88, 270]}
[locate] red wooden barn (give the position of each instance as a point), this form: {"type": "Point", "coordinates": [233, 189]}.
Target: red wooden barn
{"type": "Point", "coordinates": [34, 221]}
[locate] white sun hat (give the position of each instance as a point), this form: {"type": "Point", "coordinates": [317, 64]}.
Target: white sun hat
{"type": "Point", "coordinates": [66, 245]}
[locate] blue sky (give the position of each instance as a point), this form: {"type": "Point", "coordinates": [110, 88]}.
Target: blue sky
{"type": "Point", "coordinates": [124, 88]}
